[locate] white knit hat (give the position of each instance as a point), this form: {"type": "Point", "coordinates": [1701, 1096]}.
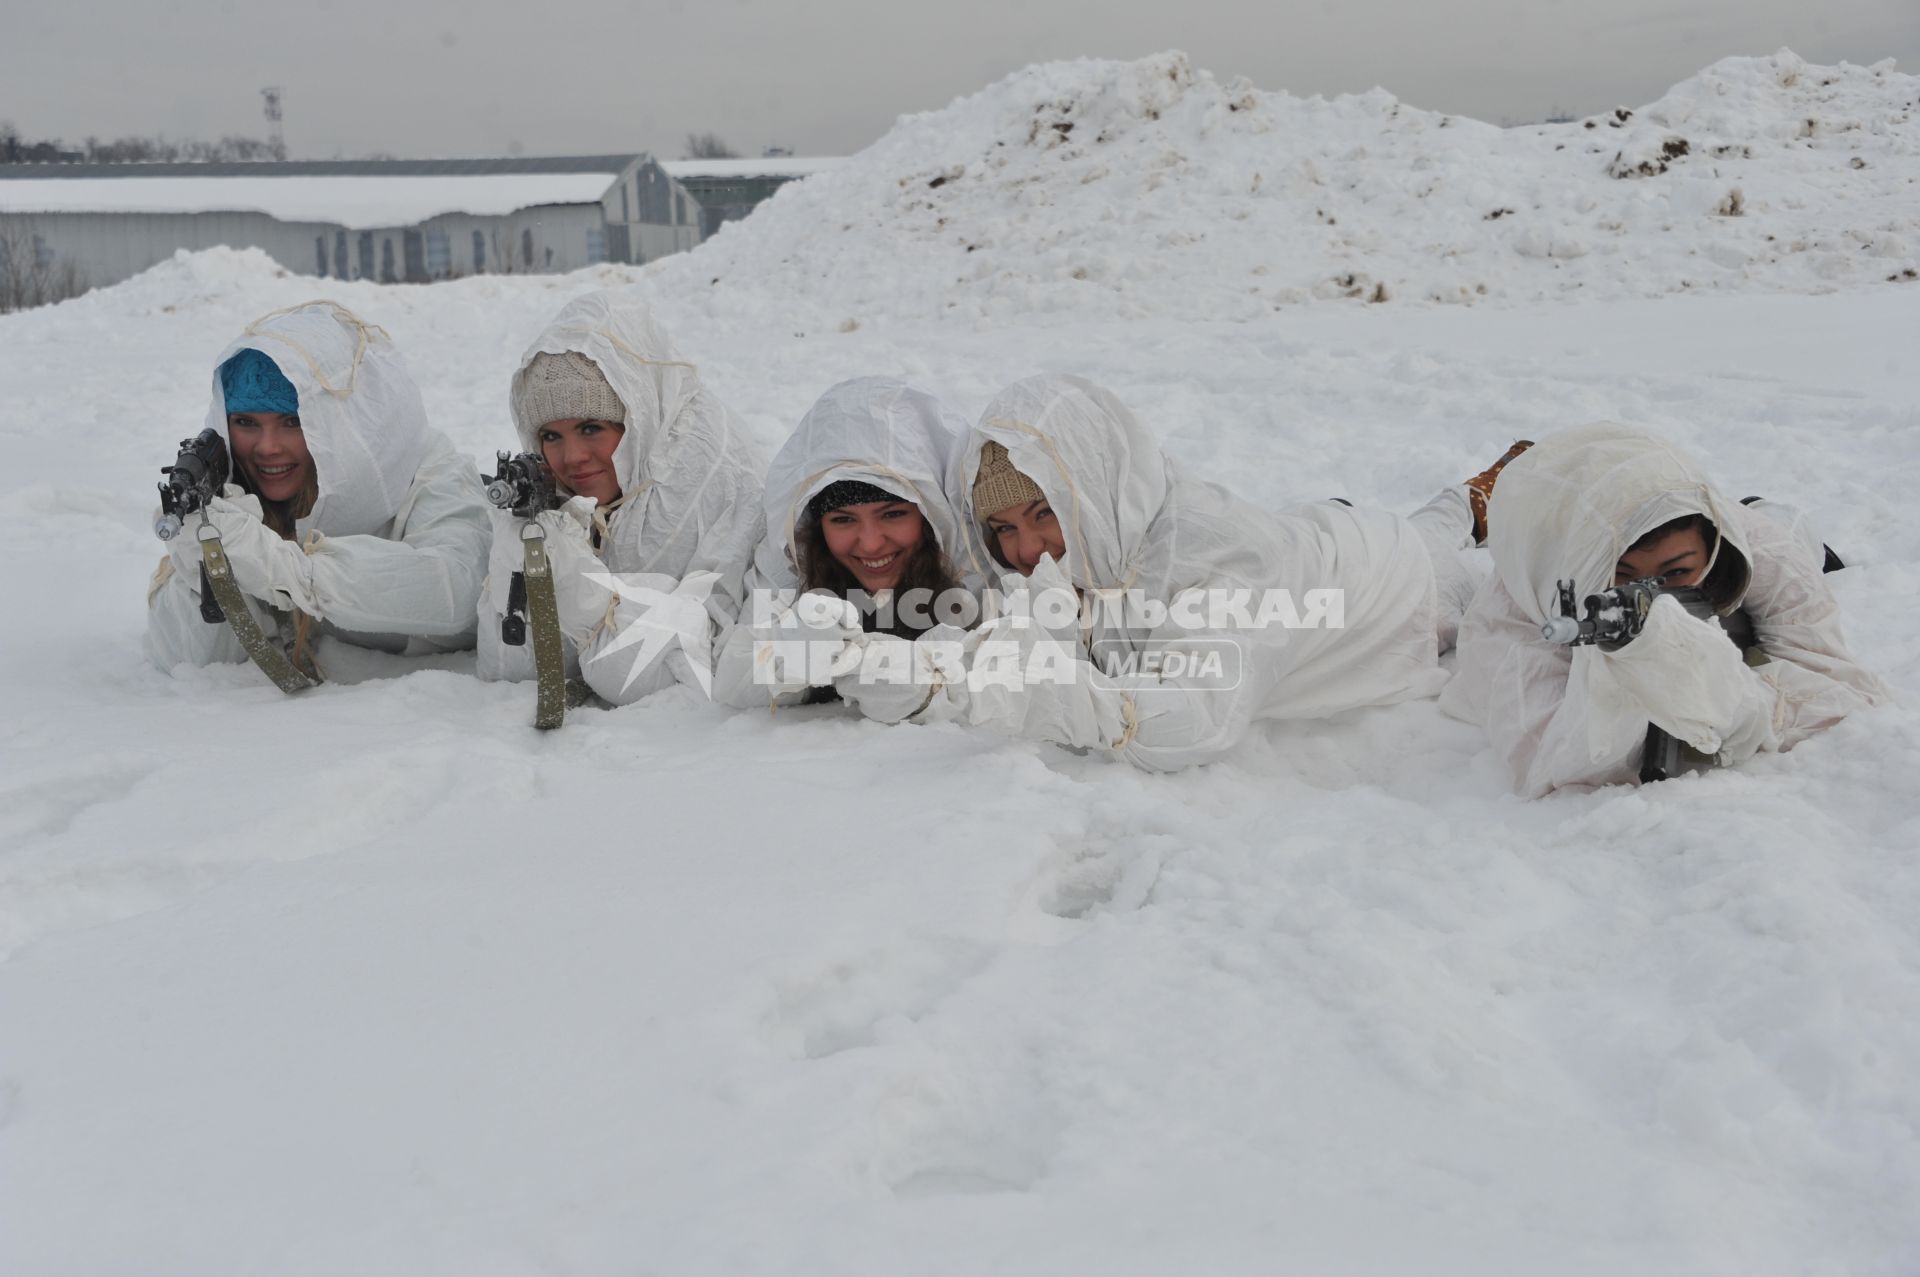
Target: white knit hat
{"type": "Point", "coordinates": [563, 387]}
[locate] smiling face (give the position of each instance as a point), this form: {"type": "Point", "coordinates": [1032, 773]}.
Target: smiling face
{"type": "Point", "coordinates": [874, 540]}
{"type": "Point", "coordinates": [579, 451]}
{"type": "Point", "coordinates": [1020, 534]}
{"type": "Point", "coordinates": [271, 452]}
{"type": "Point", "coordinates": [1676, 555]}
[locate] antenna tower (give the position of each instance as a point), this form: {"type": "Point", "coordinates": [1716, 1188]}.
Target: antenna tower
{"type": "Point", "coordinates": [275, 137]}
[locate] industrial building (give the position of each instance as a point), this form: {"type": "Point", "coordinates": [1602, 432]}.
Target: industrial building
{"type": "Point", "coordinates": [387, 220]}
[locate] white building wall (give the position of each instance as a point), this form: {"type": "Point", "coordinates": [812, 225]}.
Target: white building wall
{"type": "Point", "coordinates": [110, 247]}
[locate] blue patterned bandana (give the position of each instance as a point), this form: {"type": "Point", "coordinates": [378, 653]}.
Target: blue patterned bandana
{"type": "Point", "coordinates": [254, 383]}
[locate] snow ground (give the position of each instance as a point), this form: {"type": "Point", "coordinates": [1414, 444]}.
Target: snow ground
{"type": "Point", "coordinates": [378, 979]}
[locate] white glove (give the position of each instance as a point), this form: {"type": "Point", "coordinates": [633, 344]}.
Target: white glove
{"type": "Point", "coordinates": [265, 564]}
{"type": "Point", "coordinates": [1692, 683]}
{"type": "Point", "coordinates": [923, 680]}
{"type": "Point", "coordinates": [184, 548]}
{"type": "Point", "coordinates": [811, 643]}
{"type": "Point", "coordinates": [1044, 595]}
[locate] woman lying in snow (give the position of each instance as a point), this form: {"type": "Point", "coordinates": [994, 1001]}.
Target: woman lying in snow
{"type": "Point", "coordinates": [1606, 504]}
{"type": "Point", "coordinates": [1157, 616]}
{"type": "Point", "coordinates": [664, 491]}
{"type": "Point", "coordinates": [352, 525]}
{"type": "Point", "coordinates": [862, 533]}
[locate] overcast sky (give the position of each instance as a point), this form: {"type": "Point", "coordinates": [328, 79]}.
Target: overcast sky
{"type": "Point", "coordinates": [488, 77]}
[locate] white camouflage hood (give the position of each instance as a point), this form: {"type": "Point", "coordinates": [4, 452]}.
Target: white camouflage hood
{"type": "Point", "coordinates": [360, 411]}
{"type": "Point", "coordinates": [1103, 473]}
{"type": "Point", "coordinates": [683, 457]}
{"type": "Point", "coordinates": [1571, 505]}
{"type": "Point", "coordinates": [1131, 521]}
{"type": "Point", "coordinates": [876, 430]}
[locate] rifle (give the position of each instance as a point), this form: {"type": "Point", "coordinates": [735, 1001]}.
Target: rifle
{"type": "Point", "coordinates": [1615, 618]}
{"type": "Point", "coordinates": [522, 485]}
{"type": "Point", "coordinates": [195, 478]}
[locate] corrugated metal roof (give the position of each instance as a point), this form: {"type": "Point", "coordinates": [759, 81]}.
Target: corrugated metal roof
{"type": "Point", "coordinates": [334, 168]}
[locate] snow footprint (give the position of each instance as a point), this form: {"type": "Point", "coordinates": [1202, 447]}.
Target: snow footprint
{"type": "Point", "coordinates": [1108, 875]}
{"type": "Point", "coordinates": [961, 1128]}
{"type": "Point", "coordinates": [858, 1002]}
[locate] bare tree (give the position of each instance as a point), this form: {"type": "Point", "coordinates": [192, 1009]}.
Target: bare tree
{"type": "Point", "coordinates": [15, 149]}
{"type": "Point", "coordinates": [708, 146]}
{"type": "Point", "coordinates": [30, 274]}
{"type": "Point", "coordinates": [131, 150]}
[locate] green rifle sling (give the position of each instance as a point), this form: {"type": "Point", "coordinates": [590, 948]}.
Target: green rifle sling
{"type": "Point", "coordinates": [549, 658]}
{"type": "Point", "coordinates": [263, 651]}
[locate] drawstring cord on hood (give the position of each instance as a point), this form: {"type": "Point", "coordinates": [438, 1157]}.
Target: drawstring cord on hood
{"type": "Point", "coordinates": [603, 514]}
{"type": "Point", "coordinates": [346, 319]}
{"type": "Point", "coordinates": [602, 535]}
{"type": "Point", "coordinates": [1130, 717]}
{"type": "Point", "coordinates": [639, 358]}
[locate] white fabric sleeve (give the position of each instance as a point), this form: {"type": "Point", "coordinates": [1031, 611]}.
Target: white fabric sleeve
{"type": "Point", "coordinates": [1686, 676]}
{"type": "Point", "coordinates": [496, 661]}
{"type": "Point", "coordinates": [735, 682]}
{"type": "Point", "coordinates": [425, 581]}
{"type": "Point", "coordinates": [1796, 620]}
{"type": "Point", "coordinates": [734, 670]}
{"type": "Point", "coordinates": [175, 633]}
{"type": "Point", "coordinates": [1157, 721]}
{"type": "Point", "coordinates": [622, 667]}
{"type": "Point", "coordinates": [1157, 724]}
{"type": "Point", "coordinates": [1535, 703]}
{"type": "Point", "coordinates": [726, 530]}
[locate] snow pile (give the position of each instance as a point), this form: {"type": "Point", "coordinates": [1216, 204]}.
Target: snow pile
{"type": "Point", "coordinates": [1142, 188]}
{"type": "Point", "coordinates": [379, 980]}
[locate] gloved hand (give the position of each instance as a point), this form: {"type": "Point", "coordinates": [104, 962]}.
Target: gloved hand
{"type": "Point", "coordinates": [810, 643]}
{"type": "Point", "coordinates": [1045, 595]}
{"type": "Point", "coordinates": [184, 548]}
{"type": "Point", "coordinates": [1690, 681]}
{"type": "Point", "coordinates": [923, 680]}
{"type": "Point", "coordinates": [1026, 677]}
{"type": "Point", "coordinates": [580, 601]}
{"type": "Point", "coordinates": [580, 598]}
{"type": "Point", "coordinates": [265, 565]}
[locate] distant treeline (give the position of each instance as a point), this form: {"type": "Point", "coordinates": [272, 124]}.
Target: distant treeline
{"type": "Point", "coordinates": [16, 149]}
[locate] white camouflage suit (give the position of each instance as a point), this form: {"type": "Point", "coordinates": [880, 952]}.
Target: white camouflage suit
{"type": "Point", "coordinates": [396, 543]}
{"type": "Point", "coordinates": [684, 527]}
{"type": "Point", "coordinates": [876, 430]}
{"type": "Point", "coordinates": [1557, 716]}
{"type": "Point", "coordinates": [1131, 521]}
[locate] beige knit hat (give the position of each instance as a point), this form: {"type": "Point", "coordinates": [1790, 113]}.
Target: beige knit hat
{"type": "Point", "coordinates": [999, 485]}
{"type": "Point", "coordinates": [562, 387]}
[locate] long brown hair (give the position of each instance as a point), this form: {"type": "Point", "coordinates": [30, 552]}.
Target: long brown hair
{"type": "Point", "coordinates": [927, 570]}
